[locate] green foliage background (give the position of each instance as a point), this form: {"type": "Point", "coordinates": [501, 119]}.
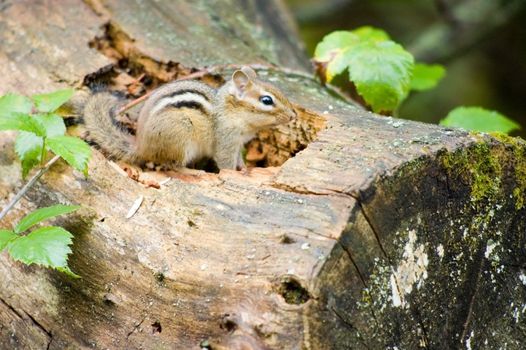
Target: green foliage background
{"type": "Point", "coordinates": [491, 73]}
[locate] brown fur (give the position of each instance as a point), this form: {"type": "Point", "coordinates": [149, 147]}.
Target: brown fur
{"type": "Point", "coordinates": [160, 141]}
{"type": "Point", "coordinates": [180, 136]}
{"type": "Point", "coordinates": [98, 121]}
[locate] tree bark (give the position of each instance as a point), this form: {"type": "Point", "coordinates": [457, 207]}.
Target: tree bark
{"type": "Point", "coordinates": [367, 232]}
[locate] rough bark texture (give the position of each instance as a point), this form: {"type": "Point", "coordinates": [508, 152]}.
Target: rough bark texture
{"type": "Point", "coordinates": [380, 233]}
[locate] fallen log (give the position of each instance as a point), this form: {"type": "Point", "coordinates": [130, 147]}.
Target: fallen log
{"type": "Point", "coordinates": [354, 230]}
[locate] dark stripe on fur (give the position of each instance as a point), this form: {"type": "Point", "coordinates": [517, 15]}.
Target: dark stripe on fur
{"type": "Point", "coordinates": [192, 91]}
{"type": "Point", "coordinates": [189, 104]}
{"type": "Point", "coordinates": [114, 121]}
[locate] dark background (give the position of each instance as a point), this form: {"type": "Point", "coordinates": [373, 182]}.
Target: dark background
{"type": "Point", "coordinates": [483, 47]}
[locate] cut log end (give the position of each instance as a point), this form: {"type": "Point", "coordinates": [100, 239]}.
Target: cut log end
{"type": "Point", "coordinates": [361, 233]}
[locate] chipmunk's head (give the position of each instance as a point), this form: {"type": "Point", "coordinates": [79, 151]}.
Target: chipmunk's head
{"type": "Point", "coordinates": [261, 103]}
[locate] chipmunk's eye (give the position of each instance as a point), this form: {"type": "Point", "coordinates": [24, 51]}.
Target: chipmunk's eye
{"type": "Point", "coordinates": [266, 100]}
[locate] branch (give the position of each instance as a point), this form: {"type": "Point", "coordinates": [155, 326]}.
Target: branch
{"type": "Point", "coordinates": [475, 20]}
{"type": "Point", "coordinates": [27, 186]}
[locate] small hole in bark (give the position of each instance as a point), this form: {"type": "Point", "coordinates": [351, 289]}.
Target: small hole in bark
{"type": "Point", "coordinates": [228, 324]}
{"type": "Point", "coordinates": [292, 291]}
{"type": "Point", "coordinates": [285, 239]}
{"type": "Point", "coordinates": [156, 327]}
{"type": "Point", "coordinates": [109, 299]}
{"type": "Point", "coordinates": [159, 276]}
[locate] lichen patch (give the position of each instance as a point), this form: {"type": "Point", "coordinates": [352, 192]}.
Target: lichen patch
{"type": "Point", "coordinates": [440, 251]}
{"type": "Point", "coordinates": [411, 270]}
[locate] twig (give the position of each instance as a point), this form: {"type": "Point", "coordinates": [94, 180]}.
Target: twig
{"type": "Point", "coordinates": [476, 20]}
{"type": "Point", "coordinates": [136, 82]}
{"type": "Point", "coordinates": [212, 69]}
{"type": "Point", "coordinates": [199, 74]}
{"type": "Point", "coordinates": [30, 183]}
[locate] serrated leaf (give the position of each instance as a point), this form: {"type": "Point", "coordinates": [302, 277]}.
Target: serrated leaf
{"type": "Point", "coordinates": [46, 246]}
{"type": "Point", "coordinates": [5, 237]}
{"type": "Point", "coordinates": [42, 214]}
{"type": "Point", "coordinates": [52, 124]}
{"type": "Point", "coordinates": [479, 119]}
{"type": "Point", "coordinates": [50, 102]}
{"type": "Point", "coordinates": [333, 44]}
{"type": "Point", "coordinates": [21, 122]}
{"type": "Point", "coordinates": [68, 272]}
{"type": "Point", "coordinates": [340, 41]}
{"type": "Point", "coordinates": [74, 151]}
{"type": "Point", "coordinates": [426, 76]}
{"type": "Point", "coordinates": [371, 34]}
{"type": "Point", "coordinates": [334, 47]}
{"type": "Point", "coordinates": [337, 65]}
{"type": "Point", "coordinates": [379, 68]}
{"type": "Point", "coordinates": [381, 72]}
{"type": "Point", "coordinates": [28, 147]}
{"type": "Point", "coordinates": [11, 103]}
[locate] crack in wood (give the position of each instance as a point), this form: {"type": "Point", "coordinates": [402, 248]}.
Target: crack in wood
{"type": "Point", "coordinates": [11, 308]}
{"type": "Point", "coordinates": [469, 315]}
{"type": "Point", "coordinates": [288, 188]}
{"type": "Point", "coordinates": [420, 321]}
{"type": "Point", "coordinates": [135, 327]}
{"type": "Point", "coordinates": [350, 326]}
{"type": "Point", "coordinates": [377, 236]}
{"type": "Point", "coordinates": [362, 278]}
{"type": "Point", "coordinates": [39, 325]}
{"type": "Point", "coordinates": [302, 190]}
{"type": "Point", "coordinates": [33, 321]}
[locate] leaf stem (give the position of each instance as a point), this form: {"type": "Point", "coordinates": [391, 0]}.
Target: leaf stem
{"type": "Point", "coordinates": [28, 185]}
{"type": "Point", "coordinates": [43, 155]}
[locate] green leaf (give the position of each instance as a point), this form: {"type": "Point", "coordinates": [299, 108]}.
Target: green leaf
{"type": "Point", "coordinates": [21, 122]}
{"type": "Point", "coordinates": [12, 103]}
{"type": "Point", "coordinates": [52, 123]}
{"type": "Point", "coordinates": [68, 272]}
{"type": "Point", "coordinates": [337, 42]}
{"type": "Point", "coordinates": [42, 214]}
{"type": "Point", "coordinates": [479, 119]}
{"type": "Point", "coordinates": [371, 34]}
{"type": "Point", "coordinates": [5, 237]}
{"type": "Point", "coordinates": [28, 147]}
{"type": "Point", "coordinates": [333, 44]}
{"type": "Point", "coordinates": [50, 102]}
{"type": "Point", "coordinates": [381, 72]}
{"type": "Point", "coordinates": [75, 151]}
{"type": "Point", "coordinates": [379, 68]}
{"type": "Point", "coordinates": [426, 76]}
{"type": "Point", "coordinates": [46, 246]}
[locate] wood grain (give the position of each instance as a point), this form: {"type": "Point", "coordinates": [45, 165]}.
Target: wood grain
{"type": "Point", "coordinates": [369, 232]}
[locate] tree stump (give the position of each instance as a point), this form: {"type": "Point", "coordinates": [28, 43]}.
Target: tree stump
{"type": "Point", "coordinates": [355, 231]}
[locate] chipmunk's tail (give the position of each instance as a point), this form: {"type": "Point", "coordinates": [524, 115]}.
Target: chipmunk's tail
{"type": "Point", "coordinates": [99, 119]}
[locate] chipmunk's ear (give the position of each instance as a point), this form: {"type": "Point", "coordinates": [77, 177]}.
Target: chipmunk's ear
{"type": "Point", "coordinates": [242, 81]}
{"type": "Point", "coordinates": [249, 72]}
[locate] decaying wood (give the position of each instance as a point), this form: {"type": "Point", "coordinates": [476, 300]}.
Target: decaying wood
{"type": "Point", "coordinates": [368, 232]}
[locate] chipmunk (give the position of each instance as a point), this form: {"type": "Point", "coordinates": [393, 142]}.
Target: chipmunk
{"type": "Point", "coordinates": [185, 121]}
